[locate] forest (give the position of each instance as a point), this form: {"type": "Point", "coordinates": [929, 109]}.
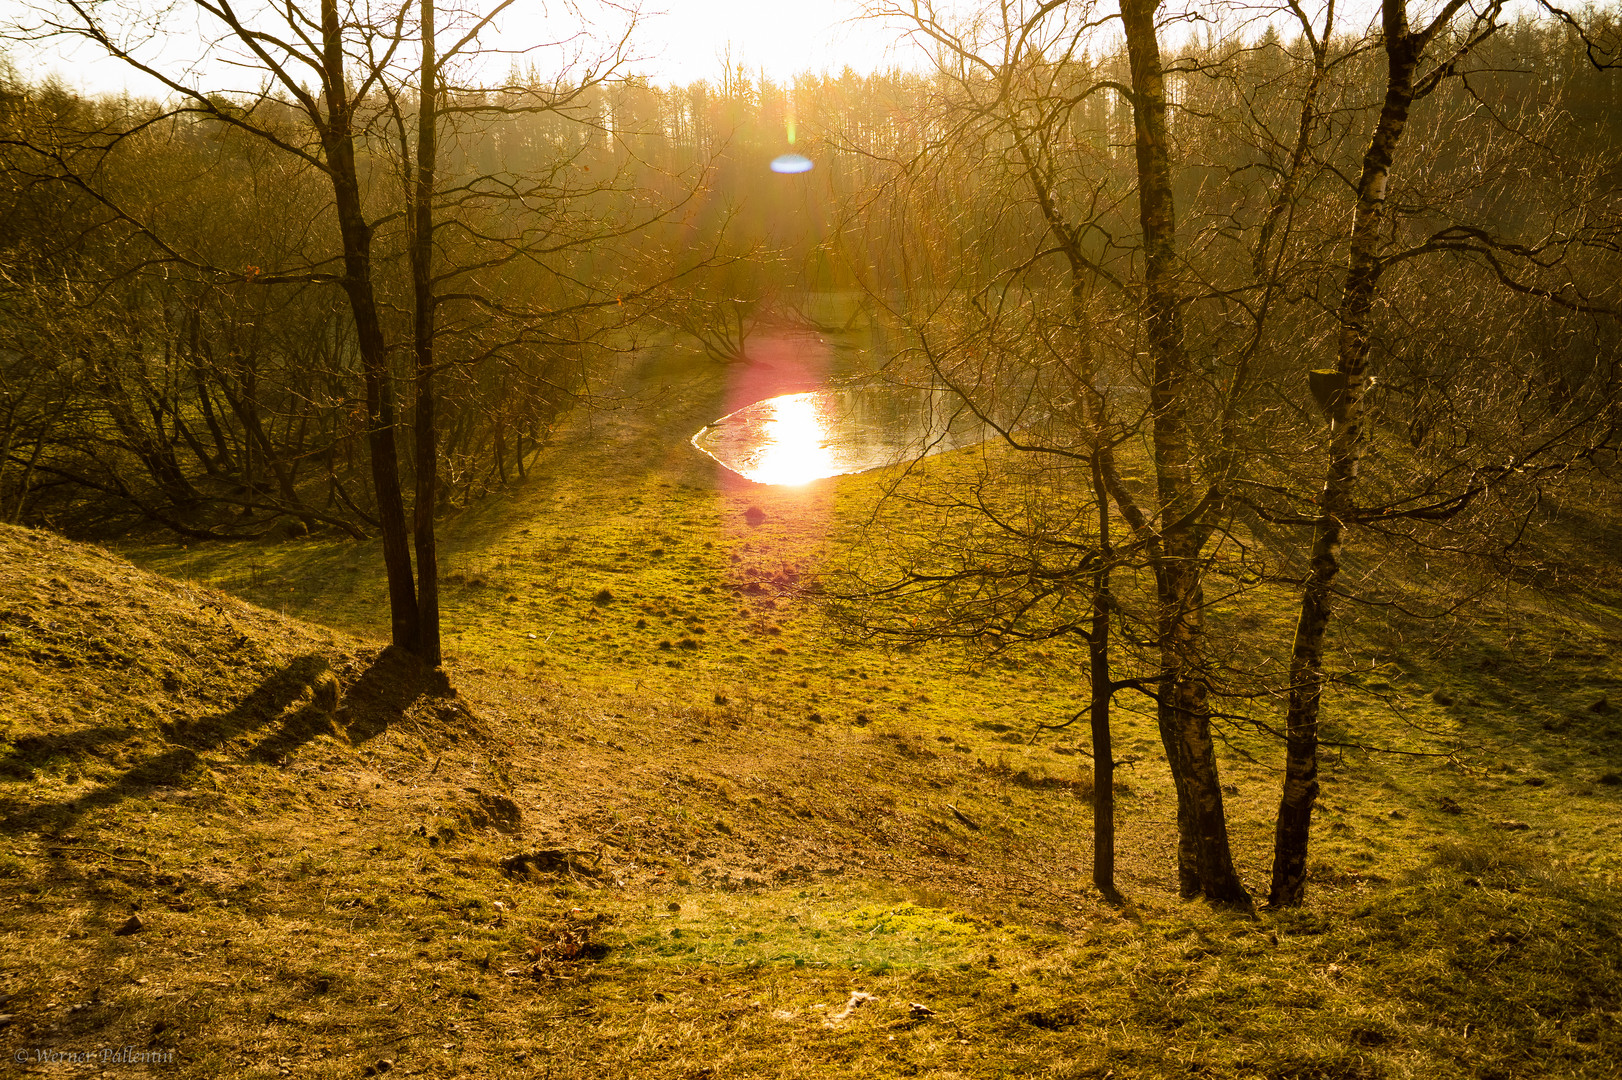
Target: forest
{"type": "Point", "coordinates": [1261, 654]}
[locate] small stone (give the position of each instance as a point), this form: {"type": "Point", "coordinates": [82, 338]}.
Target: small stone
{"type": "Point", "coordinates": [754, 516]}
{"type": "Point", "coordinates": [1510, 825]}
{"type": "Point", "coordinates": [132, 925]}
{"type": "Point", "coordinates": [1602, 706]}
{"type": "Point", "coordinates": [1441, 697]}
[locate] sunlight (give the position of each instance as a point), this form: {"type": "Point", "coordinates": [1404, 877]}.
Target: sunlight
{"type": "Point", "coordinates": [795, 444]}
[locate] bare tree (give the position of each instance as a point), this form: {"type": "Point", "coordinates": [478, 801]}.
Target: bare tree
{"type": "Point", "coordinates": [1026, 71]}
{"type": "Point", "coordinates": [1419, 60]}
{"type": "Point", "coordinates": [381, 78]}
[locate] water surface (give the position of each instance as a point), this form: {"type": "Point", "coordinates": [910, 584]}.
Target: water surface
{"type": "Point", "coordinates": [797, 438]}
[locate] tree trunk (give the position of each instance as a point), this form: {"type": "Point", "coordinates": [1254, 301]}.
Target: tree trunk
{"type": "Point", "coordinates": [223, 458]}
{"type": "Point", "coordinates": [338, 139]}
{"type": "Point", "coordinates": [1098, 655]}
{"type": "Point", "coordinates": [1205, 864]}
{"type": "Point", "coordinates": [1101, 690]}
{"type": "Point", "coordinates": [427, 454]}
{"type": "Point", "coordinates": [1288, 888]}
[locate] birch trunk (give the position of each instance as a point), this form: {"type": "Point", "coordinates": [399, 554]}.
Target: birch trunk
{"type": "Point", "coordinates": [1205, 863]}
{"type": "Point", "coordinates": [1346, 415]}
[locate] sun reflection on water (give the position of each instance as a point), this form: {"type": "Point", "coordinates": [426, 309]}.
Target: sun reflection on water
{"type": "Point", "coordinates": [794, 445]}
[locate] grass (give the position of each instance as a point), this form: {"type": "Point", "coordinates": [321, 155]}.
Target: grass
{"type": "Point", "coordinates": [740, 830]}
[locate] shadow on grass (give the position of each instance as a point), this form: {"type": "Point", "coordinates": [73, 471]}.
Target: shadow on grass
{"type": "Point", "coordinates": [290, 708]}
{"type": "Point", "coordinates": [383, 693]}
{"type": "Point", "coordinates": [31, 751]}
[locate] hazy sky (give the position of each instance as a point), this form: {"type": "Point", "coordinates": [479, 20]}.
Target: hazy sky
{"type": "Point", "coordinates": [677, 40]}
{"type": "Point", "coordinates": [782, 38]}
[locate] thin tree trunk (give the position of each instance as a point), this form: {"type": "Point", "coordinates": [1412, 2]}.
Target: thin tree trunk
{"type": "Point", "coordinates": [1300, 795]}
{"type": "Point", "coordinates": [253, 432]}
{"type": "Point", "coordinates": [422, 250]}
{"type": "Point", "coordinates": [1098, 654]}
{"type": "Point", "coordinates": [225, 457]}
{"type": "Point", "coordinates": [338, 137]}
{"type": "Point", "coordinates": [500, 447]}
{"type": "Point", "coordinates": [33, 460]}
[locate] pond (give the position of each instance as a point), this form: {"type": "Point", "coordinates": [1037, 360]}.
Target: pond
{"type": "Point", "coordinates": [797, 438]}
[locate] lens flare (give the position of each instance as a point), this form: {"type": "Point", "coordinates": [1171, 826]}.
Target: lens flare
{"type": "Point", "coordinates": [791, 163]}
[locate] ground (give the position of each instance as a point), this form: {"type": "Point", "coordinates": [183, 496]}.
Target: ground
{"type": "Point", "coordinates": [656, 819]}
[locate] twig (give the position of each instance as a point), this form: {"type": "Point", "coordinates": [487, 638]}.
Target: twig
{"type": "Point", "coordinates": [103, 854]}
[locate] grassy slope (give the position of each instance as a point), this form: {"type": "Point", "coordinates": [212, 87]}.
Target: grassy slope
{"type": "Point", "coordinates": [312, 836]}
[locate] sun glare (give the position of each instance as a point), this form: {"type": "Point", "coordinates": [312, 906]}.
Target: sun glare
{"type": "Point", "coordinates": [794, 445]}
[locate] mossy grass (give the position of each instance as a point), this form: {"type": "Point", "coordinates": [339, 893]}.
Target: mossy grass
{"type": "Point", "coordinates": [750, 827]}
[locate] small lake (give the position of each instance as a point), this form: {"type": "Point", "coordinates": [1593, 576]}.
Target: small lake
{"type": "Point", "coordinates": [797, 438]}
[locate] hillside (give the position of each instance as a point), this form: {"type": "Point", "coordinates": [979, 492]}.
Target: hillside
{"type": "Point", "coordinates": [599, 851]}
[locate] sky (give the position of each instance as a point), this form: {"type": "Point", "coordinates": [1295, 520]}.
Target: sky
{"type": "Point", "coordinates": [781, 38]}
{"type": "Point", "coordinates": [677, 41]}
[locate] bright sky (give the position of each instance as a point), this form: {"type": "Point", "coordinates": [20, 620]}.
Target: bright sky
{"type": "Point", "coordinates": [783, 38]}
{"type": "Point", "coordinates": [678, 41]}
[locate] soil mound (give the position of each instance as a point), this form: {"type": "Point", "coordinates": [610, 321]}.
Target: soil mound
{"type": "Point", "coordinates": [110, 674]}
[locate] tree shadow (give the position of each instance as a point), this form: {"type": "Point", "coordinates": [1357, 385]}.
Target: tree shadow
{"type": "Point", "coordinates": [269, 700]}
{"type": "Point", "coordinates": [294, 705]}
{"type": "Point", "coordinates": [385, 690]}
{"type": "Point", "coordinates": [187, 738]}
{"type": "Point", "coordinates": [30, 750]}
